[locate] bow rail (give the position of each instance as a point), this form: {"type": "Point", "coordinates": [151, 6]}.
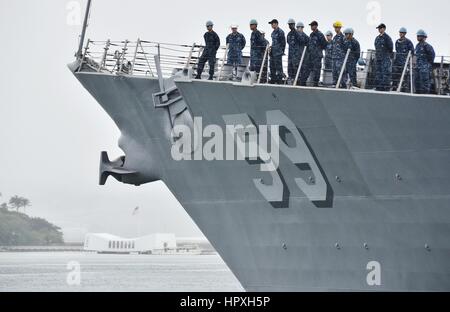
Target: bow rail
{"type": "Point", "coordinates": [137, 58]}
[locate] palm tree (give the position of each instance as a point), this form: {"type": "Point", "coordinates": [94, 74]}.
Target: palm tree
{"type": "Point", "coordinates": [25, 203]}
{"type": "Point", "coordinates": [17, 202]}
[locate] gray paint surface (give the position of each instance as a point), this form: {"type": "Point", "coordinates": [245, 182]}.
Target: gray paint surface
{"type": "Point", "coordinates": [385, 159]}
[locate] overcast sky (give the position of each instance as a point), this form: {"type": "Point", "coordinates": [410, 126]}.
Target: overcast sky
{"type": "Point", "coordinates": [52, 131]}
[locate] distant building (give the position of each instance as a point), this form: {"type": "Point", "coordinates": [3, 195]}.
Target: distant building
{"type": "Point", "coordinates": [107, 243]}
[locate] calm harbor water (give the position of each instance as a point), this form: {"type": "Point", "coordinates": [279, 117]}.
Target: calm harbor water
{"type": "Point", "coordinates": [58, 271]}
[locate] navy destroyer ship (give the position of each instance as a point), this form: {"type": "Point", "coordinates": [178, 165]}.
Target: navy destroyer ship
{"type": "Point", "coordinates": [359, 197]}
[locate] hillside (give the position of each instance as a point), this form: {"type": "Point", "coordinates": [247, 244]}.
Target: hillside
{"type": "Point", "coordinates": [18, 229]}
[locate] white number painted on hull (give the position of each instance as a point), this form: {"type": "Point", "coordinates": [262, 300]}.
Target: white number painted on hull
{"type": "Point", "coordinates": [298, 155]}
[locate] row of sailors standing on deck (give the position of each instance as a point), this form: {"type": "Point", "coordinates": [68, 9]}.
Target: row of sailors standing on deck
{"type": "Point", "coordinates": [387, 75]}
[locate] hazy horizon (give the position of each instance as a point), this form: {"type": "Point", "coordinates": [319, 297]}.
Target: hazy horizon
{"type": "Point", "coordinates": [54, 131]}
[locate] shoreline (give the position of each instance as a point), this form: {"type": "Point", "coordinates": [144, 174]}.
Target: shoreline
{"type": "Point", "coordinates": [63, 248]}
{"type": "Point", "coordinates": [30, 249]}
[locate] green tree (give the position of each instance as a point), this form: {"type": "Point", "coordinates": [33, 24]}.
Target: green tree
{"type": "Point", "coordinates": [14, 202]}
{"type": "Point", "coordinates": [19, 229]}
{"type": "Point", "coordinates": [25, 203]}
{"type": "Point", "coordinates": [17, 202]}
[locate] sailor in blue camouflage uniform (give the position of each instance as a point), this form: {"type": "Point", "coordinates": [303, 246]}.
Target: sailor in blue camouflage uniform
{"type": "Point", "coordinates": [425, 56]}
{"type": "Point", "coordinates": [297, 43]}
{"type": "Point", "coordinates": [329, 51]}
{"type": "Point", "coordinates": [276, 53]}
{"type": "Point", "coordinates": [304, 42]}
{"type": "Point", "coordinates": [402, 47]}
{"type": "Point", "coordinates": [338, 53]}
{"type": "Point", "coordinates": [384, 48]}
{"type": "Point", "coordinates": [353, 45]}
{"type": "Point", "coordinates": [294, 50]}
{"type": "Point", "coordinates": [212, 44]}
{"type": "Point", "coordinates": [257, 47]}
{"type": "Point", "coordinates": [236, 43]}
{"type": "Point", "coordinates": [317, 43]}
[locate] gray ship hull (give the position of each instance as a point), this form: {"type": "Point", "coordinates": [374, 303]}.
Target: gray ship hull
{"type": "Point", "coordinates": [384, 159]}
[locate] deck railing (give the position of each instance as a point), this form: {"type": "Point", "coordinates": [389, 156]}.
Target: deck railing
{"type": "Point", "coordinates": [138, 58]}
